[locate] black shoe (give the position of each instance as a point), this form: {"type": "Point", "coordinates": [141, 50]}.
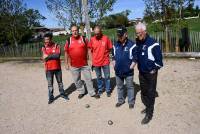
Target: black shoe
{"type": "Point", "coordinates": [119, 104]}
{"type": "Point", "coordinates": [96, 96]}
{"type": "Point", "coordinates": [146, 119]}
{"type": "Point", "coordinates": [51, 99]}
{"type": "Point", "coordinates": [156, 94]}
{"type": "Point", "coordinates": [80, 96]}
{"type": "Point", "coordinates": [64, 97]}
{"type": "Point", "coordinates": [108, 94]}
{"type": "Point", "coordinates": [131, 106]}
{"type": "Point", "coordinates": [144, 111]}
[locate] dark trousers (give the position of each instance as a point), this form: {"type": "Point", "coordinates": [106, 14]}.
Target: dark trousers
{"type": "Point", "coordinates": [148, 84]}
{"type": "Point", "coordinates": [50, 78]}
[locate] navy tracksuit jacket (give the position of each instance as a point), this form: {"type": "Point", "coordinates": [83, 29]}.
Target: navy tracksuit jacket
{"type": "Point", "coordinates": [149, 55]}
{"type": "Point", "coordinates": [124, 56]}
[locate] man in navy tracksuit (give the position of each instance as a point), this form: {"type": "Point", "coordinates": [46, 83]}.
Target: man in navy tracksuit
{"type": "Point", "coordinates": [124, 61]}
{"type": "Point", "coordinates": [149, 62]}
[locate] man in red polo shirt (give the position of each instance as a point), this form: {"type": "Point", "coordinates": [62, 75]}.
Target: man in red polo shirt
{"type": "Point", "coordinates": [101, 46]}
{"type": "Point", "coordinates": [76, 59]}
{"type": "Point", "coordinates": [51, 57]}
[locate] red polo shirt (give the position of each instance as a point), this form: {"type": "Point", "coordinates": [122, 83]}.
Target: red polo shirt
{"type": "Point", "coordinates": [100, 50]}
{"type": "Point", "coordinates": [77, 51]}
{"type": "Point", "coordinates": [48, 50]}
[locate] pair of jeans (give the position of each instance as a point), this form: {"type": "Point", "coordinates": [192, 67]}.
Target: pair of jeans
{"type": "Point", "coordinates": [76, 74]}
{"type": "Point", "coordinates": [100, 82]}
{"type": "Point", "coordinates": [122, 90]}
{"type": "Point", "coordinates": [148, 84]}
{"type": "Point", "coordinates": [50, 78]}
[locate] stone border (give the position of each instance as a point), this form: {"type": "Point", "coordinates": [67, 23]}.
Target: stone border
{"type": "Point", "coordinates": [182, 55]}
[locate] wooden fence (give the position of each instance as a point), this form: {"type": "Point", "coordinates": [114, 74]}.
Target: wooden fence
{"type": "Point", "coordinates": [34, 49]}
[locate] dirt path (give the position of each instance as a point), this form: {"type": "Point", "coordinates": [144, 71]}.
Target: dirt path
{"type": "Point", "coordinates": [24, 108]}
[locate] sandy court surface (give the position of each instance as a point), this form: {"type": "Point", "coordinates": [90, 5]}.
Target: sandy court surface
{"type": "Point", "coordinates": [24, 108]}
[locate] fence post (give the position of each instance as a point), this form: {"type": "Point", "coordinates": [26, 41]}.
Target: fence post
{"type": "Point", "coordinates": [166, 39]}
{"type": "Point", "coordinates": [177, 41]}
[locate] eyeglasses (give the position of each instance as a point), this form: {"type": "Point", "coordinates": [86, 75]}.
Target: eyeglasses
{"type": "Point", "coordinates": [139, 33]}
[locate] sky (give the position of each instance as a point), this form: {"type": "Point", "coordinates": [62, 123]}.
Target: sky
{"type": "Point", "coordinates": [135, 6]}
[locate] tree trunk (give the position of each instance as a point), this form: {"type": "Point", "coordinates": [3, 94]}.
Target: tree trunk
{"type": "Point", "coordinates": [82, 27]}
{"type": "Point", "coordinates": [14, 38]}
{"type": "Point", "coordinates": [87, 19]}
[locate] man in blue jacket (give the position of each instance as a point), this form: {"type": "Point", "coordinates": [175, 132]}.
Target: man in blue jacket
{"type": "Point", "coordinates": [124, 61]}
{"type": "Point", "coordinates": [149, 62]}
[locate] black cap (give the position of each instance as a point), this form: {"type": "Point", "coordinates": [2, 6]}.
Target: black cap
{"type": "Point", "coordinates": [121, 30]}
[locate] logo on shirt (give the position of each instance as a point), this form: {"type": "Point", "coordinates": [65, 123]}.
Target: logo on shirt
{"type": "Point", "coordinates": [144, 47]}
{"type": "Point", "coordinates": [126, 49]}
{"type": "Point", "coordinates": [103, 43]}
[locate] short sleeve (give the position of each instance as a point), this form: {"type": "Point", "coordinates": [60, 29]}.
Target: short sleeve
{"type": "Point", "coordinates": [66, 46]}
{"type": "Point", "coordinates": [110, 46]}
{"type": "Point", "coordinates": [43, 50]}
{"type": "Point", "coordinates": [58, 49]}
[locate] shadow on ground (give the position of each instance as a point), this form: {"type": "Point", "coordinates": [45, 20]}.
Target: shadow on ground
{"type": "Point", "coordinates": [70, 89]}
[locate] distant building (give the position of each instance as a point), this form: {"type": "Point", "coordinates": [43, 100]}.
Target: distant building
{"type": "Point", "coordinates": [59, 31]}
{"type": "Point", "coordinates": [39, 32]}
{"type": "Point", "coordinates": [135, 21]}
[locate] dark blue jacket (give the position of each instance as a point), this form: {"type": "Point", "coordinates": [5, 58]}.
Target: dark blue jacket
{"type": "Point", "coordinates": [124, 56]}
{"type": "Point", "coordinates": [149, 55]}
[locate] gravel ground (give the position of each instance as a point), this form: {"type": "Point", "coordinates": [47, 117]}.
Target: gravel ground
{"type": "Point", "coordinates": [24, 108]}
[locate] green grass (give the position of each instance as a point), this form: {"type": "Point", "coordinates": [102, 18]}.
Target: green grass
{"type": "Point", "coordinates": [60, 38]}
{"type": "Point", "coordinates": [193, 24]}
{"type": "Point", "coordinates": [112, 32]}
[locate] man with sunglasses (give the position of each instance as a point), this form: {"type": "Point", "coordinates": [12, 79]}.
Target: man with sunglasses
{"type": "Point", "coordinates": [101, 46]}
{"type": "Point", "coordinates": [76, 55]}
{"type": "Point", "coordinates": [149, 62]}
{"type": "Point", "coordinates": [124, 61]}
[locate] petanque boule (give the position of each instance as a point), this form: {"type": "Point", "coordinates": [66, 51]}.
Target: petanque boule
{"type": "Point", "coordinates": [87, 106]}
{"type": "Point", "coordinates": [110, 122]}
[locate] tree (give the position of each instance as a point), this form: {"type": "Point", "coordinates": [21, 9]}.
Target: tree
{"type": "Point", "coordinates": [86, 17]}
{"type": "Point", "coordinates": [16, 20]}
{"type": "Point", "coordinates": [167, 12]}
{"type": "Point", "coordinates": [103, 6]}
{"type": "Point", "coordinates": [115, 20]}
{"type": "Point", "coordinates": [33, 17]}
{"type": "Point", "coordinates": [69, 12]}
{"type": "Point", "coordinates": [12, 20]}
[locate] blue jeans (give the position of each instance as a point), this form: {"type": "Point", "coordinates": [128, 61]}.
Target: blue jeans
{"type": "Point", "coordinates": [121, 89]}
{"type": "Point", "coordinates": [50, 79]}
{"type": "Point", "coordinates": [100, 83]}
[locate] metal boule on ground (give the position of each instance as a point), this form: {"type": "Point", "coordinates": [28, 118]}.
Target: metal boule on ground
{"type": "Point", "coordinates": [87, 106]}
{"type": "Point", "coordinates": [110, 122]}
